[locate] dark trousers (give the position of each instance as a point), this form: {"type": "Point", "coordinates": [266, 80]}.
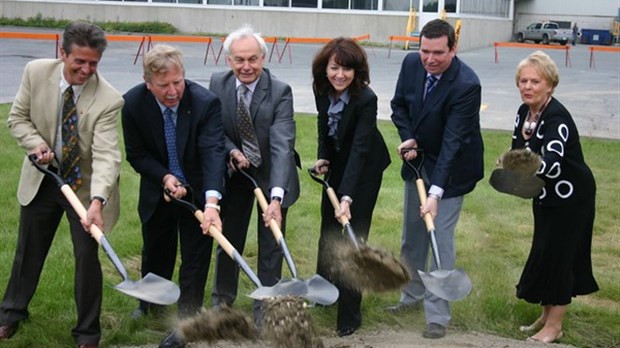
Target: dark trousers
{"type": "Point", "coordinates": [237, 208]}
{"type": "Point", "coordinates": [161, 234]}
{"type": "Point", "coordinates": [37, 227]}
{"type": "Point", "coordinates": [350, 299]}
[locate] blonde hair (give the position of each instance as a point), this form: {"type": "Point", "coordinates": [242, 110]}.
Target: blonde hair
{"type": "Point", "coordinates": [544, 65]}
{"type": "Point", "coordinates": [160, 59]}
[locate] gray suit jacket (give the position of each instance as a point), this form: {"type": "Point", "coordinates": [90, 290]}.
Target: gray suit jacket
{"type": "Point", "coordinates": [33, 120]}
{"type": "Point", "coordinates": [271, 110]}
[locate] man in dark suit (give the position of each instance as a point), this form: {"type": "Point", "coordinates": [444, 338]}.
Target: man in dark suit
{"type": "Point", "coordinates": [49, 88]}
{"type": "Point", "coordinates": [436, 108]}
{"type": "Point", "coordinates": [174, 138]}
{"type": "Point", "coordinates": [271, 161]}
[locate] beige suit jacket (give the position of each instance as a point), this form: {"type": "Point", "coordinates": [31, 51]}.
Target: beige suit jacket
{"type": "Point", "coordinates": [33, 119]}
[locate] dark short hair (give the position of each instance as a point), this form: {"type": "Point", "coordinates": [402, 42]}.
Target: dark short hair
{"type": "Point", "coordinates": [438, 28]}
{"type": "Point", "coordinates": [84, 35]}
{"type": "Point", "coordinates": [347, 53]}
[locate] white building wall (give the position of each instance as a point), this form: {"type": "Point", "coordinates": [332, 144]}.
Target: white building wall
{"type": "Point", "coordinates": [475, 32]}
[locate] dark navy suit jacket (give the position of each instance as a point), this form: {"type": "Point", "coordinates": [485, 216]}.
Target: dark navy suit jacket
{"type": "Point", "coordinates": [446, 125]}
{"type": "Point", "coordinates": [200, 143]}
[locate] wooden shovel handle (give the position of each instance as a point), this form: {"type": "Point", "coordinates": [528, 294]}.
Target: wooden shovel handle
{"type": "Point", "coordinates": [336, 204]}
{"type": "Point", "coordinates": [428, 218]}
{"type": "Point", "coordinates": [273, 224]}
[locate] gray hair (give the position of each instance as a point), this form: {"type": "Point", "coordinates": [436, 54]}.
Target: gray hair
{"type": "Point", "coordinates": [244, 31]}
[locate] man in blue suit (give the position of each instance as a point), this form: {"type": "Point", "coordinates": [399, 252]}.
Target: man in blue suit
{"type": "Point", "coordinates": [436, 108]}
{"type": "Point", "coordinates": [174, 139]}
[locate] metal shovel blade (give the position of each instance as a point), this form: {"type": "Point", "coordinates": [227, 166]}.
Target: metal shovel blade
{"type": "Point", "coordinates": [284, 287]}
{"type": "Point", "coordinates": [152, 288]}
{"type": "Point", "coordinates": [450, 285]}
{"type": "Point", "coordinates": [321, 291]}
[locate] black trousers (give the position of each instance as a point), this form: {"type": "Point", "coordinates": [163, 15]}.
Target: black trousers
{"type": "Point", "coordinates": [37, 227]}
{"type": "Point", "coordinates": [350, 299]}
{"type": "Point", "coordinates": [161, 234]}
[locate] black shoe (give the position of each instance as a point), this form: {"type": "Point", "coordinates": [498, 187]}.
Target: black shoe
{"type": "Point", "coordinates": [434, 330]}
{"type": "Point", "coordinates": [172, 341]}
{"type": "Point", "coordinates": [403, 307]}
{"type": "Point", "coordinates": [347, 331]}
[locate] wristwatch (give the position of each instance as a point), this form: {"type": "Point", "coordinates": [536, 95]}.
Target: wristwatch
{"type": "Point", "coordinates": [100, 199]}
{"type": "Point", "coordinates": [276, 198]}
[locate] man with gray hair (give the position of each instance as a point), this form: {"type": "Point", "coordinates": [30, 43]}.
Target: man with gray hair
{"type": "Point", "coordinates": [257, 112]}
{"type": "Point", "coordinates": [174, 140]}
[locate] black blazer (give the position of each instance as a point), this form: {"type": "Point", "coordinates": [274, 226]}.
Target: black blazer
{"type": "Point", "coordinates": [446, 125]}
{"type": "Point", "coordinates": [362, 153]}
{"type": "Point", "coordinates": [200, 143]}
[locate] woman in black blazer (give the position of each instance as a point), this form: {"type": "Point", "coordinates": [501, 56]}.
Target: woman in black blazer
{"type": "Point", "coordinates": [351, 154]}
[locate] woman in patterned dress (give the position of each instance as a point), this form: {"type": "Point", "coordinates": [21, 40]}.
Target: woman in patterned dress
{"type": "Point", "coordinates": [559, 265]}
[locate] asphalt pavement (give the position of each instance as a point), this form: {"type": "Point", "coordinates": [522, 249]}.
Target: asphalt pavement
{"type": "Point", "coordinates": [589, 83]}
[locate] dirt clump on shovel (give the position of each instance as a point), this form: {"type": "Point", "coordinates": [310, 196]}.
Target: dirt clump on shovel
{"type": "Point", "coordinates": [288, 323]}
{"type": "Point", "coordinates": [223, 323]}
{"type": "Point", "coordinates": [369, 268]}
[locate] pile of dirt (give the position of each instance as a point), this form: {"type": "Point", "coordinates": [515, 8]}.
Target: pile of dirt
{"type": "Point", "coordinates": [368, 269]}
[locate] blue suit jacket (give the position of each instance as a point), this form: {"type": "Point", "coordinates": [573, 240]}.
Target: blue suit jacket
{"type": "Point", "coordinates": [200, 143]}
{"type": "Point", "coordinates": [446, 125]}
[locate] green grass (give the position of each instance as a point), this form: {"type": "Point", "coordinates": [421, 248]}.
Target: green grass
{"type": "Point", "coordinates": [493, 240]}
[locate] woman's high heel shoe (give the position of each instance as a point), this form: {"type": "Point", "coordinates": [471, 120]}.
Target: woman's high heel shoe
{"type": "Point", "coordinates": [547, 339]}
{"type": "Point", "coordinates": [535, 327]}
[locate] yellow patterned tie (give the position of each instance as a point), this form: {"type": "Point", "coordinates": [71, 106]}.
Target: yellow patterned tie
{"type": "Point", "coordinates": [70, 148]}
{"type": "Point", "coordinates": [249, 141]}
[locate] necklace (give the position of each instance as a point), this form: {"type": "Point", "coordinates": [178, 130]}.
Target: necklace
{"type": "Point", "coordinates": [531, 122]}
{"type": "Point", "coordinates": [530, 126]}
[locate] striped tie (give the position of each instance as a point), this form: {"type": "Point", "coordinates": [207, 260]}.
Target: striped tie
{"type": "Point", "coordinates": [431, 82]}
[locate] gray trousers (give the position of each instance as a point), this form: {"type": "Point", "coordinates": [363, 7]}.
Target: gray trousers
{"type": "Point", "coordinates": [415, 246]}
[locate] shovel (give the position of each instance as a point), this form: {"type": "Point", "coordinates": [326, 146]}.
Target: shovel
{"type": "Point", "coordinates": [282, 288]}
{"type": "Point", "coordinates": [450, 285]}
{"type": "Point", "coordinates": [152, 288]}
{"type": "Point", "coordinates": [366, 268]}
{"type": "Point", "coordinates": [319, 290]}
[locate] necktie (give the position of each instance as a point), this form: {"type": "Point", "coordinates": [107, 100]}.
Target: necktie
{"type": "Point", "coordinates": [431, 82]}
{"type": "Point", "coordinates": [249, 141]}
{"type": "Point", "coordinates": [170, 133]}
{"type": "Point", "coordinates": [70, 149]}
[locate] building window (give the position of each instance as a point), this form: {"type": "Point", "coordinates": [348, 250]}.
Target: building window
{"type": "Point", "coordinates": [430, 6]}
{"type": "Point", "coordinates": [400, 5]}
{"type": "Point", "coordinates": [304, 3]}
{"type": "Point", "coordinates": [276, 3]}
{"type": "Point", "coordinates": [491, 8]}
{"type": "Point", "coordinates": [449, 6]}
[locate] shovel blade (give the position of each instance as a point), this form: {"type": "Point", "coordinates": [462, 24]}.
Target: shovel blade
{"type": "Point", "coordinates": [284, 287]}
{"type": "Point", "coordinates": [450, 285]}
{"type": "Point", "coordinates": [152, 288]}
{"type": "Point", "coordinates": [321, 291]}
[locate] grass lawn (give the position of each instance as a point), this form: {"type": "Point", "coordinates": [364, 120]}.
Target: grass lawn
{"type": "Point", "coordinates": [493, 241]}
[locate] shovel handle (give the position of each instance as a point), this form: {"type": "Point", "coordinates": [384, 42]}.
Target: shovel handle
{"type": "Point", "coordinates": [428, 218]}
{"type": "Point", "coordinates": [343, 219]}
{"type": "Point", "coordinates": [228, 248]}
{"type": "Point", "coordinates": [77, 205]}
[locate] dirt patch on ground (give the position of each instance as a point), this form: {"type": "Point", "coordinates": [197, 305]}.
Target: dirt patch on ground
{"type": "Point", "coordinates": [395, 339]}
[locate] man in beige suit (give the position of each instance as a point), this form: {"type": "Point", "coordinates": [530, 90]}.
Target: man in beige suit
{"type": "Point", "coordinates": [36, 121]}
